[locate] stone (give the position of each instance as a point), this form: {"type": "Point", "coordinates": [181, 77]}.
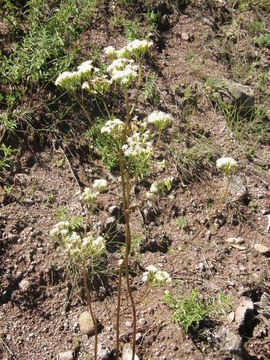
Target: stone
{"type": "Point", "coordinates": [104, 352]}
{"type": "Point", "coordinates": [230, 343]}
{"type": "Point", "coordinates": [24, 285]}
{"type": "Point", "coordinates": [262, 249]}
{"type": "Point", "coordinates": [235, 241]}
{"type": "Point", "coordinates": [66, 355]}
{"type": "Point", "coordinates": [86, 324]}
{"type": "Point", "coordinates": [238, 190]}
{"type": "Point", "coordinates": [127, 353]}
{"type": "Point", "coordinates": [243, 312]}
{"type": "Point", "coordinates": [128, 323]}
{"type": "Point", "coordinates": [234, 93]}
{"type": "Point", "coordinates": [185, 36]}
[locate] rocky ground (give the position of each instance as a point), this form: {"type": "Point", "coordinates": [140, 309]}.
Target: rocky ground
{"type": "Point", "coordinates": [206, 55]}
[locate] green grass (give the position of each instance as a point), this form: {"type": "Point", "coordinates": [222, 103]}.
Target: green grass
{"type": "Point", "coordinates": [190, 311]}
{"type": "Point", "coordinates": [47, 46]}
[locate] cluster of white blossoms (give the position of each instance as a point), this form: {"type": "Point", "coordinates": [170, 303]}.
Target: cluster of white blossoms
{"type": "Point", "coordinates": [99, 84]}
{"type": "Point", "coordinates": [155, 277]}
{"type": "Point", "coordinates": [61, 229]}
{"type": "Point", "coordinates": [68, 79]}
{"type": "Point", "coordinates": [137, 145]}
{"type": "Point", "coordinates": [88, 196]}
{"type": "Point", "coordinates": [113, 128]}
{"type": "Point", "coordinates": [160, 186]}
{"type": "Point", "coordinates": [100, 185]}
{"type": "Point", "coordinates": [137, 48]}
{"type": "Point", "coordinates": [123, 71]}
{"type": "Point", "coordinates": [74, 244]}
{"type": "Point", "coordinates": [226, 164]}
{"type": "Point", "coordinates": [87, 246]}
{"type": "Point", "coordinates": [160, 119]}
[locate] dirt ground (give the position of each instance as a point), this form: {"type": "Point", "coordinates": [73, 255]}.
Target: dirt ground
{"type": "Point", "coordinates": [41, 299]}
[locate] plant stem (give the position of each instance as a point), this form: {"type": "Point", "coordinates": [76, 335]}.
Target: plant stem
{"type": "Point", "coordinates": [83, 108]}
{"type": "Point", "coordinates": [138, 88]}
{"type": "Point", "coordinates": [126, 196]}
{"type": "Point", "coordinates": [118, 311]}
{"type": "Point", "coordinates": [99, 108]}
{"type": "Point", "coordinates": [90, 309]}
{"type": "Point", "coordinates": [127, 106]}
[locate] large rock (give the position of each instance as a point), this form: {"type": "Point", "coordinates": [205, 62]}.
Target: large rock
{"type": "Point", "coordinates": [86, 324]}
{"type": "Point", "coordinates": [243, 313]}
{"type": "Point", "coordinates": [237, 94]}
{"type": "Point", "coordinates": [238, 190]}
{"type": "Point", "coordinates": [230, 345]}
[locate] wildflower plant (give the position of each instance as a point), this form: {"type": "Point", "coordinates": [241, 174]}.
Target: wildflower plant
{"type": "Point", "coordinates": [228, 166]}
{"type": "Point", "coordinates": [129, 140]}
{"type": "Point", "coordinates": [154, 277]}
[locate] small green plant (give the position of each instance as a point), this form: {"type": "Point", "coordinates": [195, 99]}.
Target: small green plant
{"type": "Point", "coordinates": [132, 30]}
{"type": "Point", "coordinates": [59, 163]}
{"type": "Point", "coordinates": [263, 40]}
{"type": "Point", "coordinates": [181, 222]}
{"type": "Point", "coordinates": [149, 90]}
{"type": "Point", "coordinates": [5, 156]}
{"type": "Point", "coordinates": [190, 311]}
{"type": "Point", "coordinates": [61, 214]}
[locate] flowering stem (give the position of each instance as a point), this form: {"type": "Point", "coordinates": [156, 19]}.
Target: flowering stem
{"type": "Point", "coordinates": [99, 108]}
{"type": "Point", "coordinates": [118, 311]}
{"type": "Point", "coordinates": [114, 96]}
{"type": "Point", "coordinates": [127, 106]}
{"type": "Point", "coordinates": [106, 108]}
{"type": "Point", "coordinates": [90, 310]}
{"type": "Point", "coordinates": [138, 88]}
{"type": "Point", "coordinates": [126, 191]}
{"type": "Point", "coordinates": [82, 107]}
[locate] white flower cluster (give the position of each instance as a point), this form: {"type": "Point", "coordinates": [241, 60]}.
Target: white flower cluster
{"type": "Point", "coordinates": [68, 79]}
{"type": "Point", "coordinates": [159, 186]}
{"type": "Point", "coordinates": [123, 71]}
{"type": "Point", "coordinates": [88, 196]}
{"type": "Point", "coordinates": [86, 68]}
{"type": "Point", "coordinates": [139, 47]}
{"type": "Point", "coordinates": [100, 185]}
{"type": "Point", "coordinates": [113, 127]}
{"type": "Point", "coordinates": [160, 119]}
{"type": "Point", "coordinates": [61, 229]}
{"type": "Point", "coordinates": [137, 145]}
{"type": "Point", "coordinates": [155, 276]}
{"type": "Point", "coordinates": [86, 246]}
{"type": "Point", "coordinates": [226, 164]}
{"type": "Point", "coordinates": [99, 84]}
{"type": "Point", "coordinates": [74, 244]}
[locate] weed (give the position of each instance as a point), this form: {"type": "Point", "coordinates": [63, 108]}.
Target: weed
{"type": "Point", "coordinates": [181, 222]}
{"type": "Point", "coordinates": [59, 163]}
{"type": "Point", "coordinates": [149, 90]}
{"type": "Point", "coordinates": [190, 162]}
{"type": "Point", "coordinates": [5, 157]}
{"type": "Point", "coordinates": [61, 214]}
{"type": "Point", "coordinates": [132, 30]}
{"type": "Point", "coordinates": [8, 189]}
{"type": "Point", "coordinates": [190, 311]}
{"type": "Point", "coordinates": [263, 40]}
{"type": "Point", "coordinates": [43, 49]}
